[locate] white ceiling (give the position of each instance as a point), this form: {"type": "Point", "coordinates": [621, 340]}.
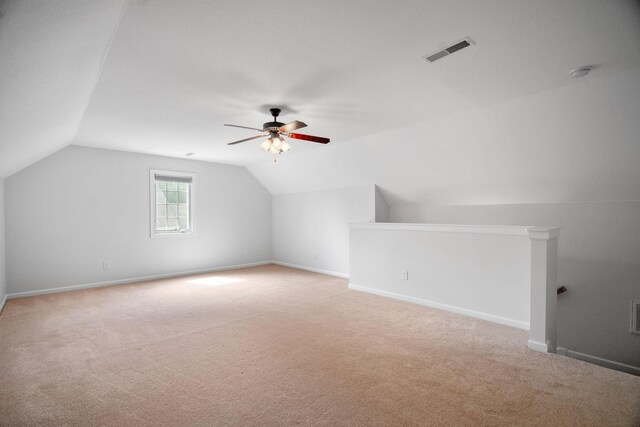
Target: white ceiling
{"type": "Point", "coordinates": [352, 70]}
{"type": "Point", "coordinates": [50, 57]}
{"type": "Point", "coordinates": [578, 143]}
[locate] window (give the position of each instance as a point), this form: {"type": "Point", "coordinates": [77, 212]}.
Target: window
{"type": "Point", "coordinates": [171, 203]}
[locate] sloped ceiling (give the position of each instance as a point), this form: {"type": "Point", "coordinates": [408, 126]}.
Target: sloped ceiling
{"type": "Point", "coordinates": [499, 121]}
{"type": "Point", "coordinates": [577, 143]}
{"type": "Point", "coordinates": [50, 58]}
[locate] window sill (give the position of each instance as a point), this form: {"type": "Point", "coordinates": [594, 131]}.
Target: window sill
{"type": "Point", "coordinates": [163, 234]}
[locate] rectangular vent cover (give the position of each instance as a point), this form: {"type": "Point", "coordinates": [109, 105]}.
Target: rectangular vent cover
{"type": "Point", "coordinates": [635, 317]}
{"type": "Point", "coordinates": [449, 50]}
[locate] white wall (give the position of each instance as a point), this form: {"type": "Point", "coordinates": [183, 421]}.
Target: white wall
{"type": "Point", "coordinates": [485, 273]}
{"type": "Point", "coordinates": [599, 263]}
{"type": "Point", "coordinates": [73, 210]}
{"type": "Point", "coordinates": [311, 229]}
{"type": "Point", "coordinates": [3, 277]}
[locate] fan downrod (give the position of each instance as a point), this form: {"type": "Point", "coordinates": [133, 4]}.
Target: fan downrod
{"type": "Point", "coordinates": [275, 124]}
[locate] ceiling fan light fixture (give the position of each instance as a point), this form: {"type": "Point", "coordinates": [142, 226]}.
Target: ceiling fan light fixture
{"type": "Point", "coordinates": [275, 145]}
{"type": "Point", "coordinates": [266, 145]}
{"type": "Point", "coordinates": [276, 142]}
{"type": "Point", "coordinates": [275, 133]}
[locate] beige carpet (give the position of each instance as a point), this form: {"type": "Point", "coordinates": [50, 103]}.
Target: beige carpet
{"type": "Point", "coordinates": [277, 346]}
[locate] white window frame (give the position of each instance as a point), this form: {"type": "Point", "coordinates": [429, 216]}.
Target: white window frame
{"type": "Point", "coordinates": [152, 203]}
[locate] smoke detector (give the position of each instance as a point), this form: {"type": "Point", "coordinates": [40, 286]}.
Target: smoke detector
{"type": "Point", "coordinates": [580, 71]}
{"type": "Point", "coordinates": [433, 57]}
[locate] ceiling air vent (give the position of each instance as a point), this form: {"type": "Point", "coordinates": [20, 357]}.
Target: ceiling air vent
{"type": "Point", "coordinates": [449, 50]}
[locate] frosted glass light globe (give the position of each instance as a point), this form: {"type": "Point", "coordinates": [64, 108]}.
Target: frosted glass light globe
{"type": "Point", "coordinates": [266, 145]}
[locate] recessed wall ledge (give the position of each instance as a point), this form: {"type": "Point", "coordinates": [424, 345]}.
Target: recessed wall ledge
{"type": "Point", "coordinates": [537, 232]}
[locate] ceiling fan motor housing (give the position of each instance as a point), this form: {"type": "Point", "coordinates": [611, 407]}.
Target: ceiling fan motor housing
{"type": "Point", "coordinates": [275, 124]}
{"type": "Point", "coordinates": [271, 126]}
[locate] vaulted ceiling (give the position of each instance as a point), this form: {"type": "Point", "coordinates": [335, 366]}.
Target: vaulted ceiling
{"type": "Point", "coordinates": [51, 54]}
{"type": "Point", "coordinates": [500, 121]}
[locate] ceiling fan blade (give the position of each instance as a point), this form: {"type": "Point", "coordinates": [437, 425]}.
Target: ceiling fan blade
{"type": "Point", "coordinates": [245, 127]}
{"type": "Point", "coordinates": [311, 138]}
{"type": "Point", "coordinates": [292, 126]}
{"type": "Point", "coordinates": [246, 139]}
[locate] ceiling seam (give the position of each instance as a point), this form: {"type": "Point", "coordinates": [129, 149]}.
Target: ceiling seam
{"type": "Point", "coordinates": [105, 54]}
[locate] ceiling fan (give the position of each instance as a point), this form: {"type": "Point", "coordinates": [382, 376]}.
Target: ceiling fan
{"type": "Point", "coordinates": [276, 131]}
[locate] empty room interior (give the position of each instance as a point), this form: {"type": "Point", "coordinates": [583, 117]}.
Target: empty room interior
{"type": "Point", "coordinates": [355, 212]}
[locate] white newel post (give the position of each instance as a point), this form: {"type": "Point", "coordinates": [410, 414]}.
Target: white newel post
{"type": "Point", "coordinates": [544, 276]}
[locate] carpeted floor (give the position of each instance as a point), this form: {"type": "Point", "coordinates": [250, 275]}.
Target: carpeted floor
{"type": "Point", "coordinates": [277, 346]}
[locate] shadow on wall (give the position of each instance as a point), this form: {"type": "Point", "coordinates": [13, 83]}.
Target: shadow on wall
{"type": "Point", "coordinates": [594, 316]}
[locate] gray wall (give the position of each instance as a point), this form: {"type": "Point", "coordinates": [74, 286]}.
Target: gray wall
{"type": "Point", "coordinates": [382, 208]}
{"type": "Point", "coordinates": [599, 263]}
{"type": "Point", "coordinates": [3, 278]}
{"type": "Point", "coordinates": [81, 206]}
{"type": "Point", "coordinates": [311, 229]}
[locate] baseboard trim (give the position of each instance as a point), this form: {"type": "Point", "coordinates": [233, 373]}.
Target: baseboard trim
{"type": "Point", "coordinates": [315, 270]}
{"type": "Point", "coordinates": [445, 307]}
{"type": "Point", "coordinates": [618, 366]}
{"type": "Point", "coordinates": [131, 280]}
{"type": "Point", "coordinates": [538, 346]}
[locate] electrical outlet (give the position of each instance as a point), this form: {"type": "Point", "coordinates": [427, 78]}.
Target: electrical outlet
{"type": "Point", "coordinates": [106, 265]}
{"type": "Point", "coordinates": [404, 274]}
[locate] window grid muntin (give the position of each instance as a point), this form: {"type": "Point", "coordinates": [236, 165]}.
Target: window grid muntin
{"type": "Point", "coordinates": [172, 204]}
{"type": "Point", "coordinates": [171, 215]}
